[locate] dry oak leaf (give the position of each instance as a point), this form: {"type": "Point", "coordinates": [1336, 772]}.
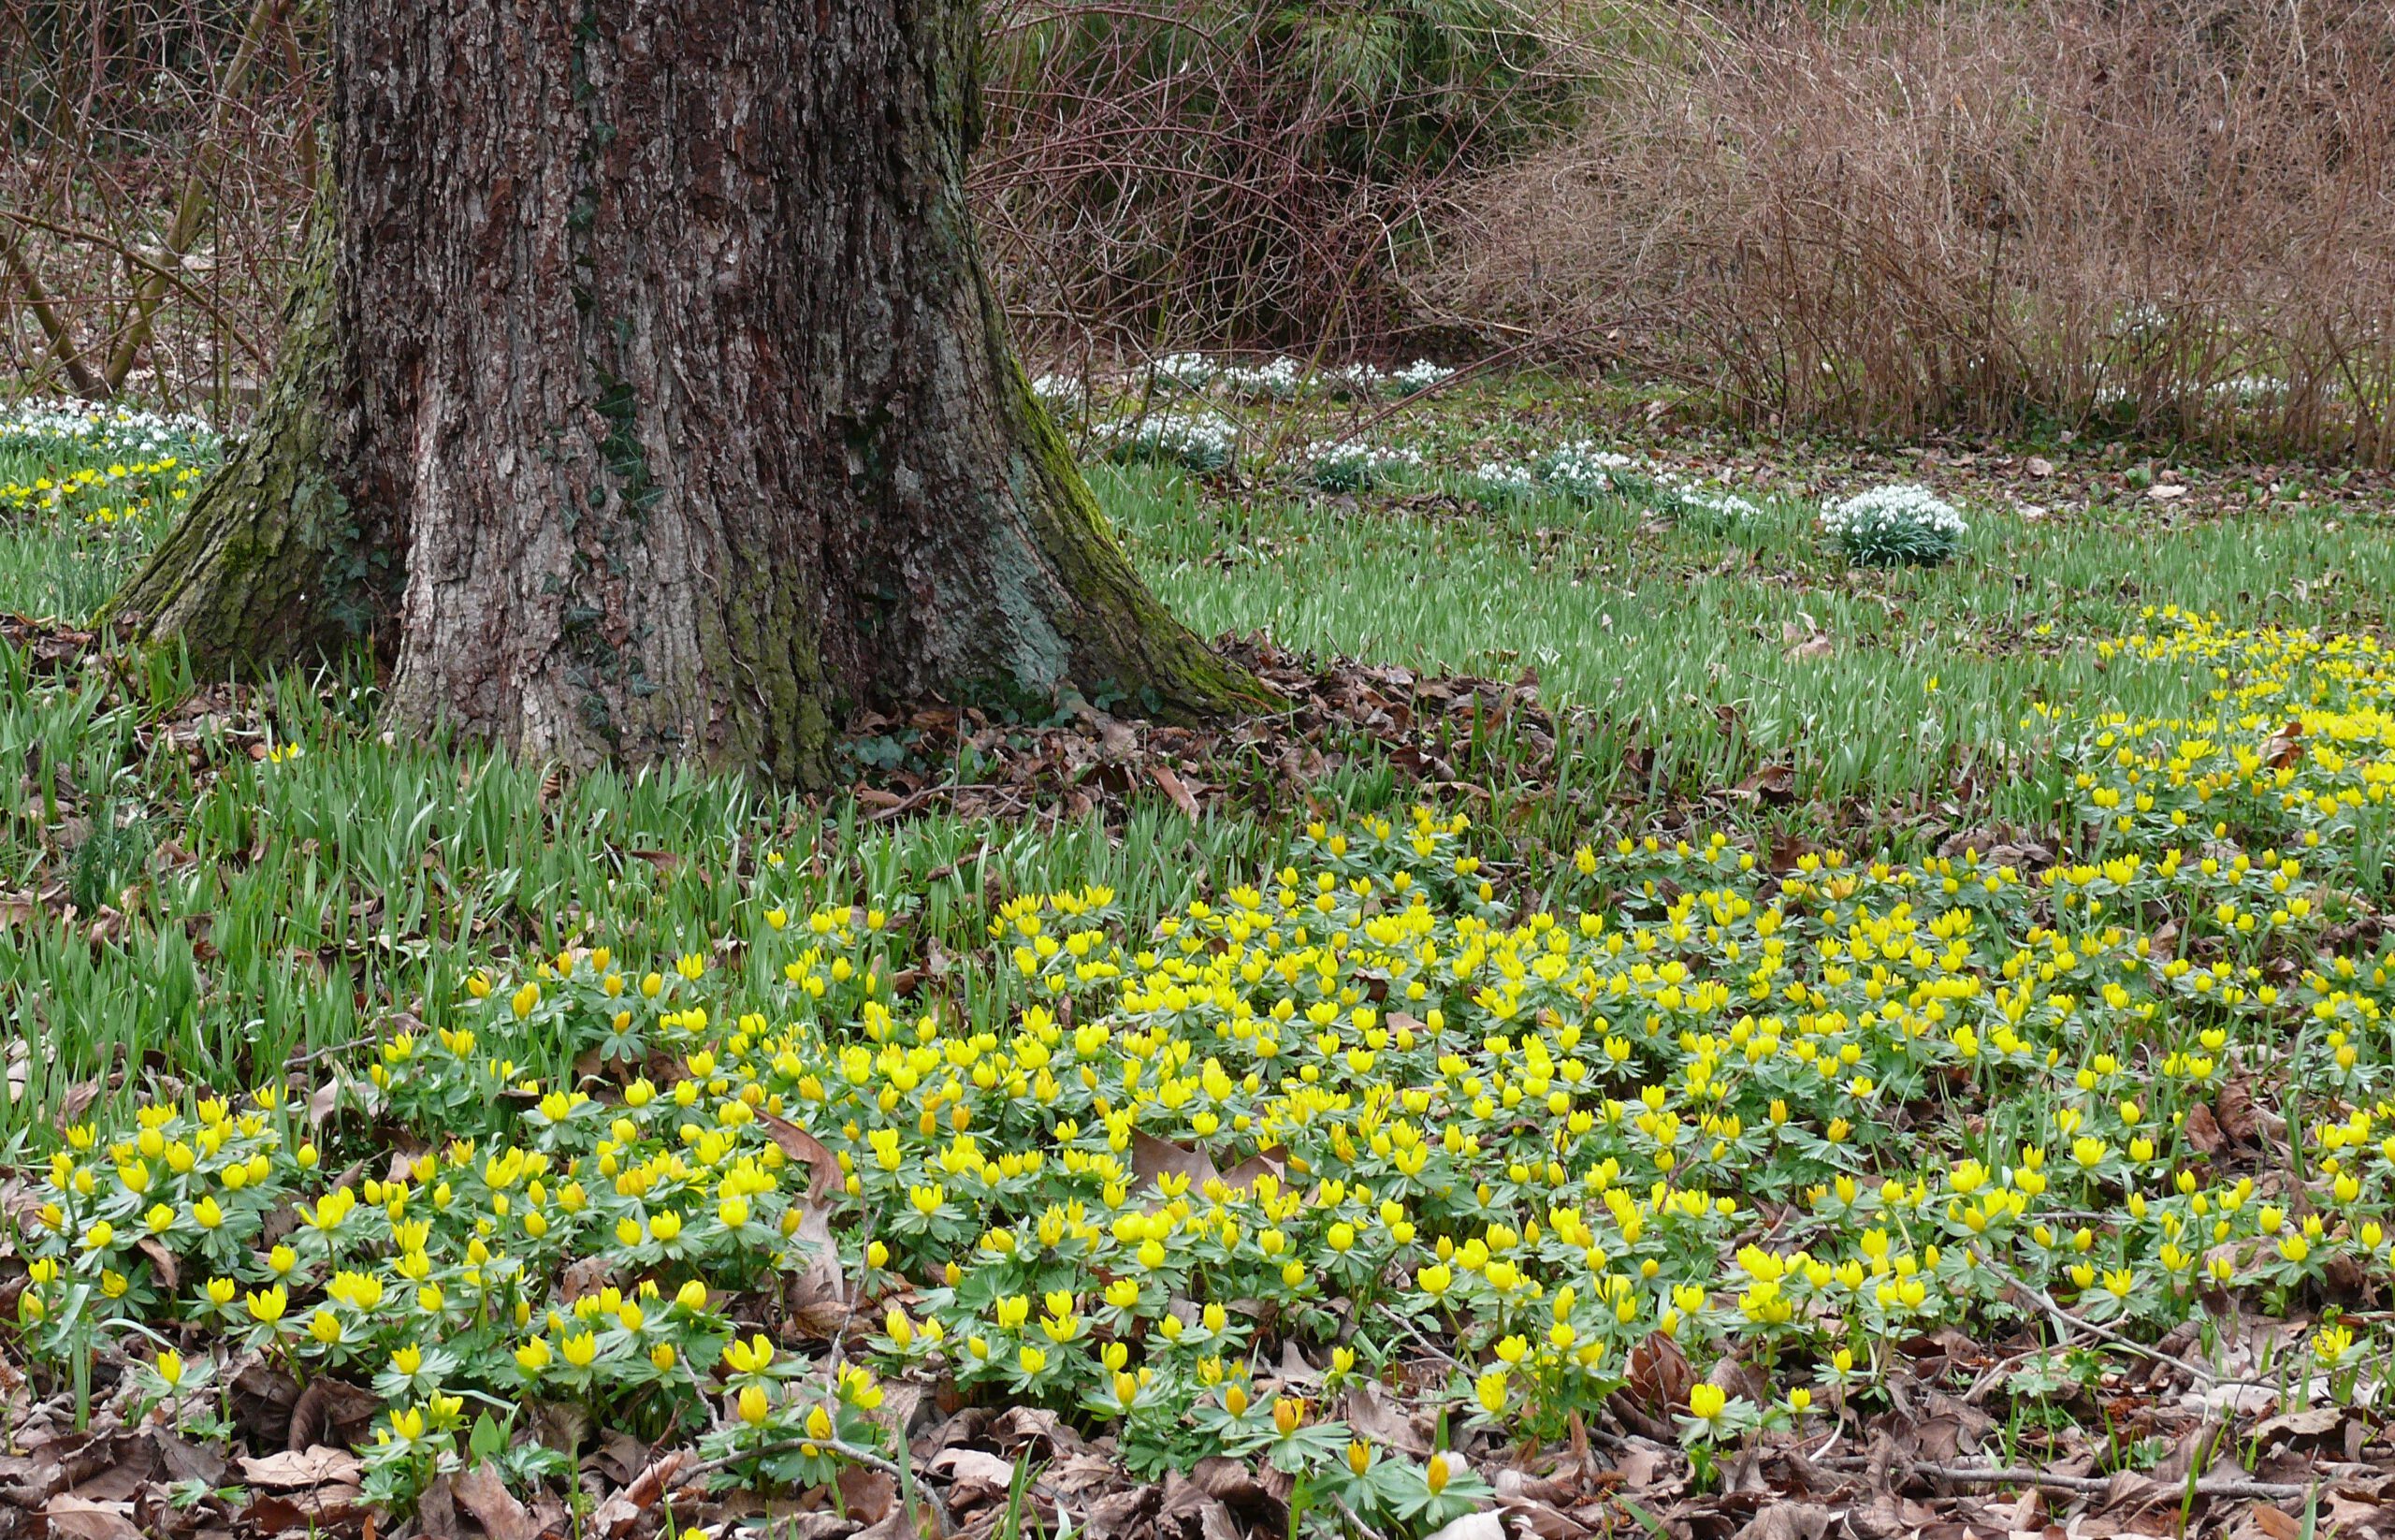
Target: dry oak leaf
{"type": "Point", "coordinates": [482, 1492]}
{"type": "Point", "coordinates": [975, 1475]}
{"type": "Point", "coordinates": [318, 1465]}
{"type": "Point", "coordinates": [73, 1517]}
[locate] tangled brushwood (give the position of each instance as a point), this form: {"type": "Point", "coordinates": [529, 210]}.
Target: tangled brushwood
{"type": "Point", "coordinates": [1198, 1190]}
{"type": "Point", "coordinates": [2152, 215]}
{"type": "Point", "coordinates": [1246, 174]}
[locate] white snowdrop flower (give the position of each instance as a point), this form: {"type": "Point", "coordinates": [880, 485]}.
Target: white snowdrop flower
{"type": "Point", "coordinates": [1583, 470]}
{"type": "Point", "coordinates": [1355, 380]}
{"type": "Point", "coordinates": [1275, 380]}
{"type": "Point", "coordinates": [1064, 393]}
{"type": "Point", "coordinates": [105, 430]}
{"type": "Point", "coordinates": [1189, 371]}
{"type": "Point", "coordinates": [1359, 467]}
{"type": "Point", "coordinates": [1500, 481]}
{"type": "Point", "coordinates": [1897, 524]}
{"type": "Point", "coordinates": [1710, 507]}
{"type": "Point", "coordinates": [1202, 440]}
{"type": "Point", "coordinates": [2250, 389]}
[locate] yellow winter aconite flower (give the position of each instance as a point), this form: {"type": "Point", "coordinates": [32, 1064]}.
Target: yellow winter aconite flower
{"type": "Point", "coordinates": [748, 1358]}
{"type": "Point", "coordinates": [1774, 1105]}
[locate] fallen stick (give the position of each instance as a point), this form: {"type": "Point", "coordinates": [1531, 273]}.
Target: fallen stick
{"type": "Point", "coordinates": [2013, 1476]}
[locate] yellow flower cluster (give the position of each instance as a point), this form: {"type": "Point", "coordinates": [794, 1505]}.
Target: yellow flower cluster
{"type": "Point", "coordinates": [104, 494]}
{"type": "Point", "coordinates": [1789, 1113]}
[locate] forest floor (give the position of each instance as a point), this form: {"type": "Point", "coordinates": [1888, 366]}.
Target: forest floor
{"type": "Point", "coordinates": [1673, 1031]}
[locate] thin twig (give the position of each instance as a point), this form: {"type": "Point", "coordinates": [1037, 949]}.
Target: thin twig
{"type": "Point", "coordinates": [2045, 1302]}
{"type": "Point", "coordinates": [180, 285]}
{"type": "Point", "coordinates": [53, 325]}
{"type": "Point", "coordinates": [191, 209]}
{"type": "Point", "coordinates": [1416, 1332]}
{"type": "Point", "coordinates": [908, 1486]}
{"type": "Point", "coordinates": [2014, 1476]}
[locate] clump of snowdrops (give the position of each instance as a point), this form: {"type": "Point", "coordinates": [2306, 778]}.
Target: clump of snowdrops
{"type": "Point", "coordinates": [1897, 525]}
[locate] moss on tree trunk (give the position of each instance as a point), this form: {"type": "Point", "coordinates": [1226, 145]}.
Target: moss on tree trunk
{"type": "Point", "coordinates": [270, 564]}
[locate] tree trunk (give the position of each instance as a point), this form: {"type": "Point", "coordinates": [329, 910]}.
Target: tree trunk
{"type": "Point", "coordinates": [648, 397]}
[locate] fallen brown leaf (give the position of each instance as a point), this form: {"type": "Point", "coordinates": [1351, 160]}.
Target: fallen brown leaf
{"type": "Point", "coordinates": [1153, 1158]}
{"type": "Point", "coordinates": [2274, 1524]}
{"type": "Point", "coordinates": [976, 1476]}
{"type": "Point", "coordinates": [616, 1516]}
{"type": "Point", "coordinates": [481, 1492]}
{"type": "Point", "coordinates": [867, 1495]}
{"type": "Point", "coordinates": [73, 1517]}
{"type": "Point", "coordinates": [823, 1166]}
{"type": "Point", "coordinates": [318, 1465]}
{"type": "Point", "coordinates": [1660, 1376]}
{"type": "Point", "coordinates": [327, 1410]}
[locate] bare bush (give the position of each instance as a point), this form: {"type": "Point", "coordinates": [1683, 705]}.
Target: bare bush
{"type": "Point", "coordinates": [2176, 216]}
{"type": "Point", "coordinates": [1153, 173]}
{"type": "Point", "coordinates": [159, 157]}
{"type": "Point", "coordinates": [1233, 173]}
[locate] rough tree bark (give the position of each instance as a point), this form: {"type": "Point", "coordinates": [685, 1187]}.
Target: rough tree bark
{"type": "Point", "coordinates": [646, 397]}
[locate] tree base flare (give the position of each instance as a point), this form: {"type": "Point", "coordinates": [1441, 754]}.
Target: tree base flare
{"type": "Point", "coordinates": [677, 444]}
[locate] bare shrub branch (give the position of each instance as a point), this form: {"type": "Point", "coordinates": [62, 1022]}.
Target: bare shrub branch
{"type": "Point", "coordinates": [2178, 219]}
{"type": "Point", "coordinates": [1211, 172]}
{"type": "Point", "coordinates": [159, 162]}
